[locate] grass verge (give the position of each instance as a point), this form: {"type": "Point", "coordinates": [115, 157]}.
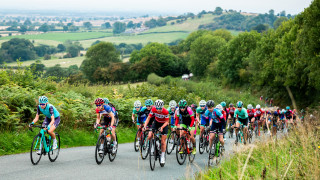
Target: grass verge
{"type": "Point", "coordinates": [20, 142]}
{"type": "Point", "coordinates": [296, 156]}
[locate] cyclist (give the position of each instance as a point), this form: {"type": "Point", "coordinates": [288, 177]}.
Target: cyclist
{"type": "Point", "coordinates": [251, 112]}
{"type": "Point", "coordinates": [275, 121]}
{"type": "Point", "coordinates": [200, 114]}
{"type": "Point", "coordinates": [231, 110]}
{"type": "Point", "coordinates": [141, 117]}
{"type": "Point", "coordinates": [242, 116]}
{"type": "Point", "coordinates": [282, 118]}
{"type": "Point", "coordinates": [225, 113]}
{"type": "Point", "coordinates": [51, 120]}
{"type": "Point", "coordinates": [146, 110]}
{"type": "Point", "coordinates": [214, 116]}
{"type": "Point", "coordinates": [107, 114]}
{"type": "Point", "coordinates": [194, 110]}
{"type": "Point", "coordinates": [288, 115]}
{"type": "Point", "coordinates": [172, 109]}
{"type": "Point", "coordinates": [185, 115]}
{"type": "Point", "coordinates": [259, 116]}
{"type": "Point", "coordinates": [161, 122]}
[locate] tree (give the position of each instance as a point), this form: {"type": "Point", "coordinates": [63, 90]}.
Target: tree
{"type": "Point", "coordinates": [218, 11]}
{"type": "Point", "coordinates": [203, 51]}
{"type": "Point", "coordinates": [61, 48]}
{"type": "Point", "coordinates": [130, 24]}
{"type": "Point", "coordinates": [56, 71]}
{"type": "Point", "coordinates": [106, 25]}
{"type": "Point", "coordinates": [99, 56]}
{"type": "Point", "coordinates": [261, 28]}
{"type": "Point", "coordinates": [283, 13]}
{"type": "Point", "coordinates": [17, 48]}
{"type": "Point", "coordinates": [27, 22]}
{"type": "Point", "coordinates": [151, 24]}
{"type": "Point", "coordinates": [279, 21]}
{"type": "Point", "coordinates": [225, 34]}
{"type": "Point", "coordinates": [37, 68]}
{"type": "Point", "coordinates": [44, 28]}
{"type": "Point", "coordinates": [87, 25]}
{"type": "Point", "coordinates": [157, 52]}
{"type": "Point", "coordinates": [23, 28]}
{"type": "Point", "coordinates": [119, 27]}
{"type": "Point", "coordinates": [65, 28]}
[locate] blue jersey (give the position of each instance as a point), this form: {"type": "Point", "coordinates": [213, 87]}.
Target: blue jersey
{"type": "Point", "coordinates": [105, 111]}
{"type": "Point", "coordinates": [215, 115]}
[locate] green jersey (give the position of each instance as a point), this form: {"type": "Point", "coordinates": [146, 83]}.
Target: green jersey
{"type": "Point", "coordinates": [243, 114]}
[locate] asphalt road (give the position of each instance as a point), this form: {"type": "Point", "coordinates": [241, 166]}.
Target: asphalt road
{"type": "Point", "coordinates": [79, 163]}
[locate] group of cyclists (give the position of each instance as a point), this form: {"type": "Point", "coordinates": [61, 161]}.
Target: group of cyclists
{"type": "Point", "coordinates": [215, 117]}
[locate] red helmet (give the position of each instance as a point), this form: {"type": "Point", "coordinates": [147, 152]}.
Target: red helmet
{"type": "Point", "coordinates": [99, 101]}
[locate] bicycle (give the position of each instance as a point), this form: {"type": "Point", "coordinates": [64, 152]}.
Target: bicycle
{"type": "Point", "coordinates": [105, 139]}
{"type": "Point", "coordinates": [172, 141]}
{"type": "Point", "coordinates": [204, 140]}
{"type": "Point", "coordinates": [250, 132]}
{"type": "Point", "coordinates": [144, 144]}
{"type": "Point", "coordinates": [139, 131]}
{"type": "Point", "coordinates": [256, 128]}
{"type": "Point", "coordinates": [216, 152]}
{"type": "Point", "coordinates": [186, 146]}
{"type": "Point", "coordinates": [240, 135]}
{"type": "Point", "coordinates": [43, 144]}
{"type": "Point", "coordinates": [230, 128]}
{"type": "Point", "coordinates": [155, 149]}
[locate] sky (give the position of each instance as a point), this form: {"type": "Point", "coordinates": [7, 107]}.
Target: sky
{"type": "Point", "coordinates": [162, 6]}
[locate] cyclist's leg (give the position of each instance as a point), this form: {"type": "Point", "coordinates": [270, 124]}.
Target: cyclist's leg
{"type": "Point", "coordinates": [193, 140]}
{"type": "Point", "coordinates": [220, 127]}
{"type": "Point", "coordinates": [203, 123]}
{"type": "Point", "coordinates": [245, 128]}
{"type": "Point", "coordinates": [237, 126]}
{"type": "Point", "coordinates": [163, 137]}
{"type": "Point", "coordinates": [212, 133]}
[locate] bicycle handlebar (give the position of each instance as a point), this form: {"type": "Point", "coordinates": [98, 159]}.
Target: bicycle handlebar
{"type": "Point", "coordinates": [38, 126]}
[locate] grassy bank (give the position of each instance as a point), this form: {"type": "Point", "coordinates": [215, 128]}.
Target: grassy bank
{"type": "Point", "coordinates": [20, 142]}
{"type": "Point", "coordinates": [296, 156]}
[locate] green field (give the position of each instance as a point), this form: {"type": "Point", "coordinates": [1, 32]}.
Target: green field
{"type": "Point", "coordinates": [49, 63]}
{"type": "Point", "coordinates": [62, 36]}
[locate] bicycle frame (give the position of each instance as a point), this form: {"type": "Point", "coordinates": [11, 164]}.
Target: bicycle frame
{"type": "Point", "coordinates": [46, 146]}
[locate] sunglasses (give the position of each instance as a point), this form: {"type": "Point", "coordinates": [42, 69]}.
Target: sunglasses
{"type": "Point", "coordinates": [136, 107]}
{"type": "Point", "coordinates": [203, 106]}
{"type": "Point", "coordinates": [159, 108]}
{"type": "Point", "coordinates": [42, 104]}
{"type": "Point", "coordinates": [148, 106]}
{"type": "Point", "coordinates": [98, 105]}
{"type": "Point", "coordinates": [182, 107]}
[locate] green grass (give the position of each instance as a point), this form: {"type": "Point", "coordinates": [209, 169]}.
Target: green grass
{"type": "Point", "coordinates": [50, 63]}
{"type": "Point", "coordinates": [142, 38]}
{"type": "Point", "coordinates": [296, 156]}
{"type": "Point", "coordinates": [62, 36]}
{"type": "Point", "coordinates": [20, 142]}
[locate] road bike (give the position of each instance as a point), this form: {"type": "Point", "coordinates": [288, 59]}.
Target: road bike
{"type": "Point", "coordinates": [216, 151]}
{"type": "Point", "coordinates": [42, 145]}
{"type": "Point", "coordinates": [185, 146]}
{"type": "Point", "coordinates": [155, 149]}
{"type": "Point", "coordinates": [105, 140]}
{"type": "Point", "coordinates": [172, 141]}
{"type": "Point", "coordinates": [204, 140]}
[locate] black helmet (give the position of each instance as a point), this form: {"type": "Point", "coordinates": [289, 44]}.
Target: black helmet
{"type": "Point", "coordinates": [210, 103]}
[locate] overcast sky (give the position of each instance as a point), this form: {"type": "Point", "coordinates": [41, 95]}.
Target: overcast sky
{"type": "Point", "coordinates": [164, 6]}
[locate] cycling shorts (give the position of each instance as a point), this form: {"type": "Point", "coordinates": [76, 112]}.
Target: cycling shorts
{"type": "Point", "coordinates": [215, 126]}
{"type": "Point", "coordinates": [204, 121]}
{"type": "Point", "coordinates": [156, 125]}
{"type": "Point", "coordinates": [187, 127]}
{"type": "Point", "coordinates": [47, 121]}
{"type": "Point", "coordinates": [140, 120]}
{"type": "Point", "coordinates": [244, 122]}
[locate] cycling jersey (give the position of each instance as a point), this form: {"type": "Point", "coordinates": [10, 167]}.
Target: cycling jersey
{"type": "Point", "coordinates": [161, 117]}
{"type": "Point", "coordinates": [288, 114]}
{"type": "Point", "coordinates": [251, 113]}
{"type": "Point", "coordinates": [105, 111]}
{"type": "Point", "coordinates": [147, 112]}
{"type": "Point", "coordinates": [258, 113]}
{"type": "Point", "coordinates": [200, 111]}
{"type": "Point", "coordinates": [48, 111]}
{"type": "Point", "coordinates": [172, 113]}
{"type": "Point", "coordinates": [231, 111]}
{"type": "Point", "coordinates": [241, 114]}
{"type": "Point", "coordinates": [141, 115]}
{"type": "Point", "coordinates": [216, 115]}
{"type": "Point", "coordinates": [186, 117]}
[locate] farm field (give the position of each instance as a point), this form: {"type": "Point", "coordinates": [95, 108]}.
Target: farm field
{"type": "Point", "coordinates": [50, 63]}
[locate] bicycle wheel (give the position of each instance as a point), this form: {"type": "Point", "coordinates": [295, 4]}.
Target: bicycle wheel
{"type": "Point", "coordinates": [144, 144]}
{"type": "Point", "coordinates": [211, 153]}
{"type": "Point", "coordinates": [218, 152]}
{"type": "Point", "coordinates": [54, 153]}
{"type": "Point", "coordinates": [230, 132]}
{"type": "Point", "coordinates": [206, 142]}
{"type": "Point", "coordinates": [191, 156]}
{"type": "Point", "coordinates": [181, 157]}
{"type": "Point", "coordinates": [171, 142]}
{"type": "Point", "coordinates": [35, 147]}
{"type": "Point", "coordinates": [136, 148]}
{"type": "Point", "coordinates": [202, 145]}
{"type": "Point", "coordinates": [100, 156]}
{"type": "Point", "coordinates": [250, 136]}
{"type": "Point", "coordinates": [112, 155]}
{"type": "Point", "coordinates": [152, 153]}
{"type": "Point", "coordinates": [238, 139]}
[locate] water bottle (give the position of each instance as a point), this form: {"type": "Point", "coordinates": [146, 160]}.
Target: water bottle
{"type": "Point", "coordinates": [108, 138]}
{"type": "Point", "coordinates": [188, 143]}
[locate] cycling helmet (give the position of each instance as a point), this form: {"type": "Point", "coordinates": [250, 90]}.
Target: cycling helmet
{"type": "Point", "coordinates": [98, 101]}
{"type": "Point", "coordinates": [172, 104]}
{"type": "Point", "coordinates": [182, 103]}
{"type": "Point", "coordinates": [193, 106]}
{"type": "Point", "coordinates": [106, 100]}
{"type": "Point", "coordinates": [210, 103]}
{"type": "Point", "coordinates": [249, 106]}
{"type": "Point", "coordinates": [159, 104]}
{"type": "Point", "coordinates": [230, 105]}
{"type": "Point", "coordinates": [294, 110]}
{"type": "Point", "coordinates": [137, 104]}
{"type": "Point", "coordinates": [283, 111]}
{"type": "Point", "coordinates": [148, 102]}
{"type": "Point", "coordinates": [239, 104]}
{"type": "Point", "coordinates": [43, 100]}
{"type": "Point", "coordinates": [219, 107]}
{"type": "Point", "coordinates": [202, 103]}
{"type": "Point", "coordinates": [258, 106]}
{"type": "Point", "coordinates": [223, 104]}
{"type": "Point", "coordinates": [288, 107]}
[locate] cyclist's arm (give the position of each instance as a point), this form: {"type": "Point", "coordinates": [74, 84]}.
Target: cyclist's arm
{"type": "Point", "coordinates": [133, 117]}
{"type": "Point", "coordinates": [147, 121]}
{"type": "Point", "coordinates": [98, 118]}
{"type": "Point", "coordinates": [198, 117]}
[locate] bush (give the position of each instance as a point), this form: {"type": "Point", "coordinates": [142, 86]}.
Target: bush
{"type": "Point", "coordinates": [47, 57]}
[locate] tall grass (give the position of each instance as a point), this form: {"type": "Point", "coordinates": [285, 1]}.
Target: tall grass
{"type": "Point", "coordinates": [295, 156]}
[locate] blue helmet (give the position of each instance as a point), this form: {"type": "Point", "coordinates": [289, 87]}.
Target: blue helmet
{"type": "Point", "coordinates": [43, 100]}
{"type": "Point", "coordinates": [106, 100]}
{"type": "Point", "coordinates": [148, 102]}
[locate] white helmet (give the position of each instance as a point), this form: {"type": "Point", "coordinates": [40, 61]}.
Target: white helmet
{"type": "Point", "coordinates": [173, 104]}
{"type": "Point", "coordinates": [258, 106]}
{"type": "Point", "coordinates": [219, 107]}
{"type": "Point", "coordinates": [283, 111]}
{"type": "Point", "coordinates": [202, 103]}
{"type": "Point", "coordinates": [159, 104]}
{"type": "Point", "coordinates": [249, 106]}
{"type": "Point", "coordinates": [137, 104]}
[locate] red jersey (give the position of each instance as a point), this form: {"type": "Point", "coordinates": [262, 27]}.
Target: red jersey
{"type": "Point", "coordinates": [258, 113]}
{"type": "Point", "coordinates": [160, 117]}
{"type": "Point", "coordinates": [232, 110]}
{"type": "Point", "coordinates": [251, 112]}
{"type": "Point", "coordinates": [224, 114]}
